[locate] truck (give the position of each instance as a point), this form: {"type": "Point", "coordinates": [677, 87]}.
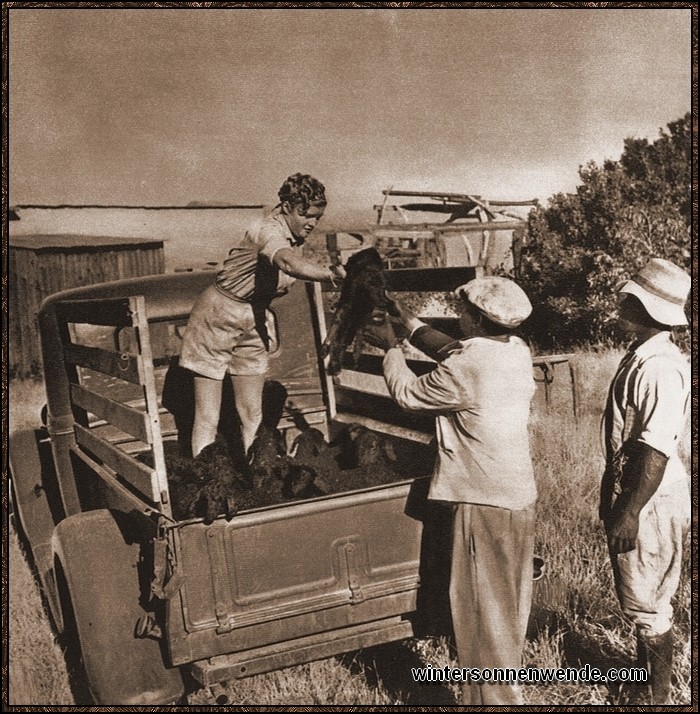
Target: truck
{"type": "Point", "coordinates": [150, 601]}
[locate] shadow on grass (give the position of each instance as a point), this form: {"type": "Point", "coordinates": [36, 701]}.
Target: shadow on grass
{"type": "Point", "coordinates": [389, 666]}
{"type": "Point", "coordinates": [578, 648]}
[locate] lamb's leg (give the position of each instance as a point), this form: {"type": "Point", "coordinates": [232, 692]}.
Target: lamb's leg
{"type": "Point", "coordinates": [333, 344]}
{"type": "Point", "coordinates": [343, 337]}
{"type": "Point", "coordinates": [357, 347]}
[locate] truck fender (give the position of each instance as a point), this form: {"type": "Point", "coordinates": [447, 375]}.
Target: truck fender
{"type": "Point", "coordinates": [36, 504]}
{"type": "Point", "coordinates": [97, 567]}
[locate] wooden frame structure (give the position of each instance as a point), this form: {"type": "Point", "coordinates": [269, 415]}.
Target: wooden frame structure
{"type": "Point", "coordinates": [139, 419]}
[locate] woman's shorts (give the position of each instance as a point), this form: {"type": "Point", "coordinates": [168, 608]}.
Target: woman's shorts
{"type": "Point", "coordinates": [221, 337]}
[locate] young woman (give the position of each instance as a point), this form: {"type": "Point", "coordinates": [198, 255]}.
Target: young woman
{"type": "Point", "coordinates": [231, 328]}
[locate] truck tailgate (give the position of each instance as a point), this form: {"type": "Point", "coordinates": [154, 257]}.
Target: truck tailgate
{"type": "Point", "coordinates": [288, 571]}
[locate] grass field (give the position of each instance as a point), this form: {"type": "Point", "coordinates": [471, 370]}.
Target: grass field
{"type": "Point", "coordinates": [576, 618]}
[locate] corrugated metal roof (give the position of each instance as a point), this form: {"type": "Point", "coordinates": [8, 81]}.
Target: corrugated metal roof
{"type": "Point", "coordinates": [72, 242]}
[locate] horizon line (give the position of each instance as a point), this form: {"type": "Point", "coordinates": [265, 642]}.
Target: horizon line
{"type": "Point", "coordinates": [148, 208]}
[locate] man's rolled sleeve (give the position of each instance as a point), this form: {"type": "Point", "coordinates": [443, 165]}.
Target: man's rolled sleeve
{"type": "Point", "coordinates": [659, 390]}
{"type": "Point", "coordinates": [439, 390]}
{"type": "Point", "coordinates": [413, 324]}
{"type": "Point", "coordinates": [433, 343]}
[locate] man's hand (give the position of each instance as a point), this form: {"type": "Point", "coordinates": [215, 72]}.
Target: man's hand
{"type": "Point", "coordinates": [398, 311]}
{"type": "Point", "coordinates": [607, 492]}
{"type": "Point", "coordinates": [622, 529]}
{"type": "Point", "coordinates": [403, 320]}
{"type": "Point", "coordinates": [380, 335]}
{"type": "Point", "coordinates": [641, 475]}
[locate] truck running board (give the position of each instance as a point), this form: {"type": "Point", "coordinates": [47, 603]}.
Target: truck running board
{"type": "Point", "coordinates": [222, 668]}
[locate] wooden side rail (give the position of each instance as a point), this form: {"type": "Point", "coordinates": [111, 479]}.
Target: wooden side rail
{"type": "Point", "coordinates": [140, 418]}
{"type": "Point", "coordinates": [140, 476]}
{"type": "Point", "coordinates": [110, 312]}
{"type": "Point", "coordinates": [129, 419]}
{"type": "Point", "coordinates": [120, 365]}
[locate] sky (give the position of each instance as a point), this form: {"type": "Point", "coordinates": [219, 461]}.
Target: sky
{"type": "Point", "coordinates": [154, 106]}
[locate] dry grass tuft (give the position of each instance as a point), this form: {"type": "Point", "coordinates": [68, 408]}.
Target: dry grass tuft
{"type": "Point", "coordinates": [37, 669]}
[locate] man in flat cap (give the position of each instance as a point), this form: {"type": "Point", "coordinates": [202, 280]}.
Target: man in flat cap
{"type": "Point", "coordinates": [645, 499]}
{"type": "Point", "coordinates": [480, 393]}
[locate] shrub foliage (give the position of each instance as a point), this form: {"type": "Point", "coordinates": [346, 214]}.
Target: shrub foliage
{"type": "Point", "coordinates": [584, 244]}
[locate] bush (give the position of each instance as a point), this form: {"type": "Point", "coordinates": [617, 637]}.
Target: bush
{"type": "Point", "coordinates": [583, 245]}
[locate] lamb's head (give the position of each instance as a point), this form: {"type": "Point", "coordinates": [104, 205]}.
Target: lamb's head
{"type": "Point", "coordinates": [308, 445]}
{"type": "Point", "coordinates": [268, 453]}
{"type": "Point", "coordinates": [365, 279]}
{"type": "Point", "coordinates": [365, 448]}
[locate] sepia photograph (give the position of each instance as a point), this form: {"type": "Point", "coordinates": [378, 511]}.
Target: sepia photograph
{"type": "Point", "coordinates": [445, 256]}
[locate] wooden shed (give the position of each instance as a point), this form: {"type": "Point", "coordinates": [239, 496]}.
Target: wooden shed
{"type": "Point", "coordinates": [40, 265]}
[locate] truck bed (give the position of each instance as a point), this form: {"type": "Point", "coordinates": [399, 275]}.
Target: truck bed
{"type": "Point", "coordinates": [279, 573]}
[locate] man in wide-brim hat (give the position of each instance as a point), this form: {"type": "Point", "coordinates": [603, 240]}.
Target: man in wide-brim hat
{"type": "Point", "coordinates": [480, 393]}
{"type": "Point", "coordinates": [645, 499]}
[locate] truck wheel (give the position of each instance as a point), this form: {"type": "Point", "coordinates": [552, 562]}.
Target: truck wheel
{"type": "Point", "coordinates": [70, 643]}
{"type": "Point", "coordinates": [97, 572]}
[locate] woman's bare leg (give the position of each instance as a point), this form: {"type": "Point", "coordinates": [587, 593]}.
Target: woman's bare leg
{"type": "Point", "coordinates": [207, 409]}
{"type": "Point", "coordinates": [248, 393]}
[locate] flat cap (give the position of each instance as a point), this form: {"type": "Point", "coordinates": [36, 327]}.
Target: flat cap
{"type": "Point", "coordinates": [499, 299]}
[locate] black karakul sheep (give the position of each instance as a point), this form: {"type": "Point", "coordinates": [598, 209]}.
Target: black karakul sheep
{"type": "Point", "coordinates": [309, 444]}
{"type": "Point", "coordinates": [208, 486]}
{"type": "Point", "coordinates": [357, 458]}
{"type": "Point", "coordinates": [222, 485]}
{"type": "Point", "coordinates": [362, 295]}
{"type": "Point", "coordinates": [278, 477]}
{"type": "Point", "coordinates": [268, 468]}
{"type": "Point", "coordinates": [368, 459]}
{"type": "Point", "coordinates": [369, 449]}
{"type": "Point", "coordinates": [267, 451]}
{"type": "Point", "coordinates": [311, 460]}
{"type": "Point", "coordinates": [212, 485]}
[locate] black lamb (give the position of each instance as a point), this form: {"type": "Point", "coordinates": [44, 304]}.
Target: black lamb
{"type": "Point", "coordinates": [367, 458]}
{"type": "Point", "coordinates": [367, 449]}
{"type": "Point", "coordinates": [363, 295]}
{"type": "Point", "coordinates": [267, 468]}
{"type": "Point", "coordinates": [309, 444]}
{"type": "Point", "coordinates": [212, 487]}
{"type": "Point", "coordinates": [310, 461]}
{"type": "Point", "coordinates": [357, 458]}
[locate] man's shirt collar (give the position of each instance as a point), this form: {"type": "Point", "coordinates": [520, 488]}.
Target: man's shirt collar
{"type": "Point", "coordinates": [652, 345]}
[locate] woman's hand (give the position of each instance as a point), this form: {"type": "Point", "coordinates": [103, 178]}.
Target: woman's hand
{"type": "Point", "coordinates": [337, 272]}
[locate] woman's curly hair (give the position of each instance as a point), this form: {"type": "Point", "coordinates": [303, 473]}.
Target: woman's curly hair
{"type": "Point", "coordinates": [304, 190]}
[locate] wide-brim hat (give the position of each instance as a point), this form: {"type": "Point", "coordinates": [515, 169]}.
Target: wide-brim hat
{"type": "Point", "coordinates": [663, 288]}
{"type": "Point", "coordinates": [501, 300]}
